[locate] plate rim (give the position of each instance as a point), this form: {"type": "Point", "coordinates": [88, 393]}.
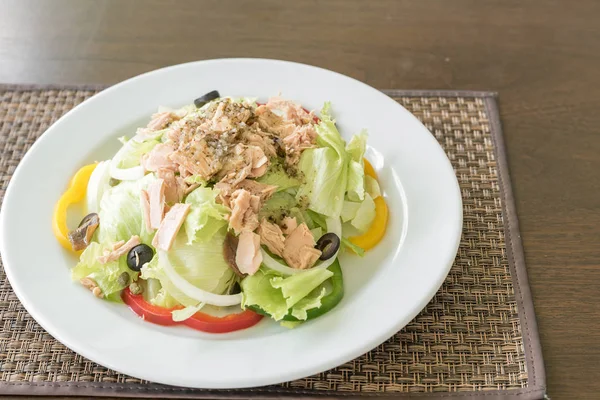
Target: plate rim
{"type": "Point", "coordinates": [334, 361]}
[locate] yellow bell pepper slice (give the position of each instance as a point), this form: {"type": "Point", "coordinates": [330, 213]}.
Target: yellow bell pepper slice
{"type": "Point", "coordinates": [376, 232]}
{"type": "Point", "coordinates": [74, 194]}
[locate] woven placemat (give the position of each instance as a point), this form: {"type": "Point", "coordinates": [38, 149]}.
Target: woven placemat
{"type": "Point", "coordinates": [476, 338]}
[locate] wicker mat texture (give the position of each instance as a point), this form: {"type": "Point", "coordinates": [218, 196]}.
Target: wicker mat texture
{"type": "Point", "coordinates": [472, 339]}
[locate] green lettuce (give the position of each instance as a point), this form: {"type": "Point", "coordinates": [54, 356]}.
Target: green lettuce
{"type": "Point", "coordinates": [360, 215]}
{"type": "Point", "coordinates": [200, 263]}
{"type": "Point", "coordinates": [355, 186]}
{"type": "Point", "coordinates": [279, 204]}
{"type": "Point", "coordinates": [193, 179]}
{"type": "Point", "coordinates": [316, 219]}
{"type": "Point", "coordinates": [325, 169]}
{"type": "Point", "coordinates": [372, 187]}
{"type": "Point", "coordinates": [121, 213]}
{"type": "Point", "coordinates": [131, 153]}
{"type": "Point", "coordinates": [187, 312]}
{"type": "Point", "coordinates": [206, 216]}
{"type": "Point", "coordinates": [351, 246]}
{"type": "Point", "coordinates": [106, 275]}
{"type": "Point", "coordinates": [364, 215]}
{"type": "Point", "coordinates": [349, 210]}
{"type": "Point", "coordinates": [277, 176]}
{"type": "Point", "coordinates": [317, 232]}
{"type": "Point", "coordinates": [278, 295]}
{"type": "Point", "coordinates": [310, 301]}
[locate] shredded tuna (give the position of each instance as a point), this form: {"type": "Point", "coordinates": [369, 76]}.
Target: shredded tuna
{"type": "Point", "coordinates": [248, 256]}
{"type": "Point", "coordinates": [257, 160]}
{"type": "Point", "coordinates": [291, 111]}
{"type": "Point", "coordinates": [175, 186]}
{"type": "Point", "coordinates": [299, 251]}
{"type": "Point", "coordinates": [118, 251]}
{"type": "Point", "coordinates": [161, 120]}
{"type": "Point", "coordinates": [158, 158]}
{"type": "Point", "coordinates": [261, 190]}
{"type": "Point", "coordinates": [156, 197]}
{"type": "Point", "coordinates": [271, 122]}
{"type": "Point", "coordinates": [304, 137]}
{"type": "Point", "coordinates": [244, 211]}
{"type": "Point", "coordinates": [197, 158]}
{"type": "Point", "coordinates": [272, 237]}
{"type": "Point", "coordinates": [256, 137]}
{"type": "Point", "coordinates": [169, 227]}
{"type": "Point", "coordinates": [295, 127]}
{"type": "Point", "coordinates": [145, 204]}
{"type": "Point", "coordinates": [288, 224]}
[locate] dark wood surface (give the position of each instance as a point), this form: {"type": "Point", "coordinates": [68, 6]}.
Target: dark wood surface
{"type": "Point", "coordinates": [543, 57]}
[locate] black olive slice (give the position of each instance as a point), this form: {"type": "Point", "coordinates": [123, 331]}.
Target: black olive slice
{"type": "Point", "coordinates": [81, 237]}
{"type": "Point", "coordinates": [138, 256]}
{"type": "Point", "coordinates": [329, 244]}
{"type": "Point", "coordinates": [92, 217]}
{"type": "Point", "coordinates": [210, 96]}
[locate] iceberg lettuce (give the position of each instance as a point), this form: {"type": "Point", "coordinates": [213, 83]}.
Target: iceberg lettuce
{"type": "Point", "coordinates": [355, 187]}
{"type": "Point", "coordinates": [121, 213]}
{"type": "Point", "coordinates": [202, 264]}
{"type": "Point", "coordinates": [277, 176]}
{"type": "Point", "coordinates": [333, 171]}
{"type": "Point", "coordinates": [364, 215]}
{"type": "Point", "coordinates": [206, 217]}
{"type": "Point", "coordinates": [278, 296]}
{"type": "Point", "coordinates": [131, 153]}
{"type": "Point", "coordinates": [106, 275]}
{"type": "Point", "coordinates": [325, 169]}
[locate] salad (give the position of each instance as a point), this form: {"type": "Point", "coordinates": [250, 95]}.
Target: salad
{"type": "Point", "coordinates": [223, 212]}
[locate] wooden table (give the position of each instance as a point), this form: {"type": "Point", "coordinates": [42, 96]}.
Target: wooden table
{"type": "Point", "coordinates": [543, 57]}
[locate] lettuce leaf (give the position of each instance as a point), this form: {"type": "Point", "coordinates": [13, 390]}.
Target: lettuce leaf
{"type": "Point", "coordinates": [201, 263]}
{"type": "Point", "coordinates": [155, 294]}
{"type": "Point", "coordinates": [106, 275]}
{"type": "Point", "coordinates": [312, 300]}
{"type": "Point", "coordinates": [185, 313]}
{"type": "Point", "coordinates": [372, 187]}
{"type": "Point", "coordinates": [279, 296]}
{"type": "Point", "coordinates": [280, 203]}
{"type": "Point", "coordinates": [192, 179]}
{"type": "Point", "coordinates": [206, 217]}
{"type": "Point", "coordinates": [364, 215]}
{"type": "Point", "coordinates": [317, 233]}
{"type": "Point", "coordinates": [131, 153]}
{"type": "Point", "coordinates": [121, 213]}
{"type": "Point", "coordinates": [349, 210]}
{"type": "Point", "coordinates": [325, 169]}
{"type": "Point", "coordinates": [351, 246]}
{"type": "Point", "coordinates": [317, 220]}
{"type": "Point", "coordinates": [355, 186]}
{"type": "Point", "coordinates": [277, 176]}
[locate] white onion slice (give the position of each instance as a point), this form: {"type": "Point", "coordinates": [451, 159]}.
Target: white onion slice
{"type": "Point", "coordinates": [194, 292]}
{"type": "Point", "coordinates": [127, 174]}
{"type": "Point", "coordinates": [275, 265]}
{"type": "Point", "coordinates": [96, 185]}
{"type": "Point", "coordinates": [334, 225]}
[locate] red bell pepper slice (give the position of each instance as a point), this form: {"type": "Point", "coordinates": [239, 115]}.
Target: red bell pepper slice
{"type": "Point", "coordinates": [199, 321]}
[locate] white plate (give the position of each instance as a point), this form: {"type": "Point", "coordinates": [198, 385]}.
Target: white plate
{"type": "Point", "coordinates": [384, 290]}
